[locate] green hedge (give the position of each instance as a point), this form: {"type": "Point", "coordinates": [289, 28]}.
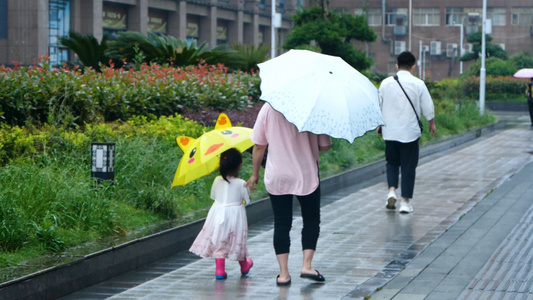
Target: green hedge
{"type": "Point", "coordinates": [38, 95]}
{"type": "Point", "coordinates": [496, 88]}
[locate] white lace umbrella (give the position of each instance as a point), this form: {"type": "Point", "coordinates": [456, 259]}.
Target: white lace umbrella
{"type": "Point", "coordinates": [321, 94]}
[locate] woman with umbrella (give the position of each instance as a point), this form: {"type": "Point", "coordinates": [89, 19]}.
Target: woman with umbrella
{"type": "Point", "coordinates": [527, 73]}
{"type": "Point", "coordinates": [291, 170]}
{"type": "Point", "coordinates": [310, 97]}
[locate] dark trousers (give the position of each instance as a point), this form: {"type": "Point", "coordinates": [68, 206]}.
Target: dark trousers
{"type": "Point", "coordinates": [282, 208]}
{"type": "Point", "coordinates": [404, 157]}
{"type": "Point", "coordinates": [530, 107]}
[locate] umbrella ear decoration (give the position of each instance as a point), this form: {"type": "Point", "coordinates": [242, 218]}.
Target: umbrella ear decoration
{"type": "Point", "coordinates": [201, 156]}
{"type": "Point", "coordinates": [185, 142]}
{"type": "Point", "coordinates": [223, 121]}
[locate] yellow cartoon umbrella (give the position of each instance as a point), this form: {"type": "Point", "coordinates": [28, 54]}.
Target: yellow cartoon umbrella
{"type": "Point", "coordinates": [201, 156]}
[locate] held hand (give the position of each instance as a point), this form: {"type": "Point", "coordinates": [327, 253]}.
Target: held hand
{"type": "Point", "coordinates": [254, 179]}
{"type": "Point", "coordinates": [378, 130]}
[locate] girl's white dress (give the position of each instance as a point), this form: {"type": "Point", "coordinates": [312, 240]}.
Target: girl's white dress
{"type": "Point", "coordinates": [225, 231]}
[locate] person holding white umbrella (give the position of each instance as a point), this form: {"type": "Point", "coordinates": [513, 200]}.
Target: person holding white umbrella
{"type": "Point", "coordinates": [527, 73]}
{"type": "Point", "coordinates": [311, 97]}
{"type": "Point", "coordinates": [291, 170]}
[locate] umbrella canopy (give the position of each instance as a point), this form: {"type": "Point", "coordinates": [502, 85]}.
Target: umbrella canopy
{"type": "Point", "coordinates": [321, 94]}
{"type": "Point", "coordinates": [524, 73]}
{"type": "Point", "coordinates": [201, 156]}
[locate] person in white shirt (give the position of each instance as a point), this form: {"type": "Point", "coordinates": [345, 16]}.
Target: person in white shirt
{"type": "Point", "coordinates": [402, 130]}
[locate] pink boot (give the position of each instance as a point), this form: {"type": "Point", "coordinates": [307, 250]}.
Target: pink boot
{"type": "Point", "coordinates": [246, 265]}
{"type": "Point", "coordinates": [220, 272]}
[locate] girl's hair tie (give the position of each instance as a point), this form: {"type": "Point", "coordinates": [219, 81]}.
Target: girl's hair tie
{"type": "Point", "coordinates": [225, 157]}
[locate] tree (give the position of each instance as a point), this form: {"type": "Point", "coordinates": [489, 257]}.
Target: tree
{"type": "Point", "coordinates": [490, 49]}
{"type": "Point", "coordinates": [332, 33]}
{"type": "Point", "coordinates": [522, 60]}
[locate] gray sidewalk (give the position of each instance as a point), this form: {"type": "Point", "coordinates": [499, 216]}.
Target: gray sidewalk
{"type": "Point", "coordinates": [487, 254]}
{"type": "Point", "coordinates": [442, 246]}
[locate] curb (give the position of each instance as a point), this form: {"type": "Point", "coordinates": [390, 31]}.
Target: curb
{"type": "Point", "coordinates": [64, 279]}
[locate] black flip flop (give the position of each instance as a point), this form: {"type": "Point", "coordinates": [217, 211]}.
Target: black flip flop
{"type": "Point", "coordinates": [317, 277]}
{"type": "Point", "coordinates": [282, 283]}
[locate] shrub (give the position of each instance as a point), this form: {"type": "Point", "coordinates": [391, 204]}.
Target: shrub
{"type": "Point", "coordinates": [496, 88]}
{"type": "Point", "coordinates": [36, 95]}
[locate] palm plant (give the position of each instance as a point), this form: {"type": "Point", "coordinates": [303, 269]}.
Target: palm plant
{"type": "Point", "coordinates": [250, 56]}
{"type": "Point", "coordinates": [90, 53]}
{"type": "Point", "coordinates": [163, 49]}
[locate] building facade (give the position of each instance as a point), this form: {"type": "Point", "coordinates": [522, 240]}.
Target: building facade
{"type": "Point", "coordinates": [31, 28]}
{"type": "Point", "coordinates": [436, 31]}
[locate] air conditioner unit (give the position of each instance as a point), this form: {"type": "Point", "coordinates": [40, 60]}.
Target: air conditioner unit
{"type": "Point", "coordinates": [399, 30]}
{"type": "Point", "coordinates": [435, 48]}
{"type": "Point", "coordinates": [502, 45]}
{"type": "Point", "coordinates": [399, 47]}
{"type": "Point", "coordinates": [401, 19]}
{"type": "Point", "coordinates": [451, 50]}
{"type": "Point", "coordinates": [473, 18]}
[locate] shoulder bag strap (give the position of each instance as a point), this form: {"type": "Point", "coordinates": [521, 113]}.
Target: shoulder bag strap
{"type": "Point", "coordinates": [417, 118]}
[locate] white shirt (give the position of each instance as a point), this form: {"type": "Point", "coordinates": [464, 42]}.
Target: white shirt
{"type": "Point", "coordinates": [231, 193]}
{"type": "Point", "coordinates": [400, 119]}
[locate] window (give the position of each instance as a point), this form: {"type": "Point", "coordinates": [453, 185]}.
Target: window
{"type": "Point", "coordinates": [392, 16]}
{"type": "Point", "coordinates": [497, 15]}
{"type": "Point", "coordinates": [157, 21]}
{"type": "Point", "coordinates": [59, 26]}
{"type": "Point", "coordinates": [454, 16]}
{"type": "Point", "coordinates": [222, 32]}
{"type": "Point", "coordinates": [3, 19]}
{"type": "Point", "coordinates": [522, 16]}
{"type": "Point", "coordinates": [281, 6]}
{"type": "Point", "coordinates": [262, 4]}
{"type": "Point", "coordinates": [114, 19]}
{"type": "Point", "coordinates": [458, 15]}
{"type": "Point", "coordinates": [374, 16]}
{"type": "Point", "coordinates": [426, 17]}
{"type": "Point", "coordinates": [193, 29]}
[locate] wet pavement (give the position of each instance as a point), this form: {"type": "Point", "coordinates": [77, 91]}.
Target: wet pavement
{"type": "Point", "coordinates": [466, 235]}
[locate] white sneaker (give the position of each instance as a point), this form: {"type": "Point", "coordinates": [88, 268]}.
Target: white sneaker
{"type": "Point", "coordinates": [405, 207]}
{"type": "Point", "coordinates": [391, 200]}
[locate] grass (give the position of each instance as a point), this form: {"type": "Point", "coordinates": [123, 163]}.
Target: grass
{"type": "Point", "coordinates": [51, 211]}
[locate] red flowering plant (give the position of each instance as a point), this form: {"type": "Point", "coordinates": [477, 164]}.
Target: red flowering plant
{"type": "Point", "coordinates": [42, 94]}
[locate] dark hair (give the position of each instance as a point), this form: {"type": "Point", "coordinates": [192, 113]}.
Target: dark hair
{"type": "Point", "coordinates": [230, 160]}
{"type": "Point", "coordinates": [406, 60]}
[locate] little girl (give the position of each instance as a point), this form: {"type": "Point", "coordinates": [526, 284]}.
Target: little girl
{"type": "Point", "coordinates": [225, 231]}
